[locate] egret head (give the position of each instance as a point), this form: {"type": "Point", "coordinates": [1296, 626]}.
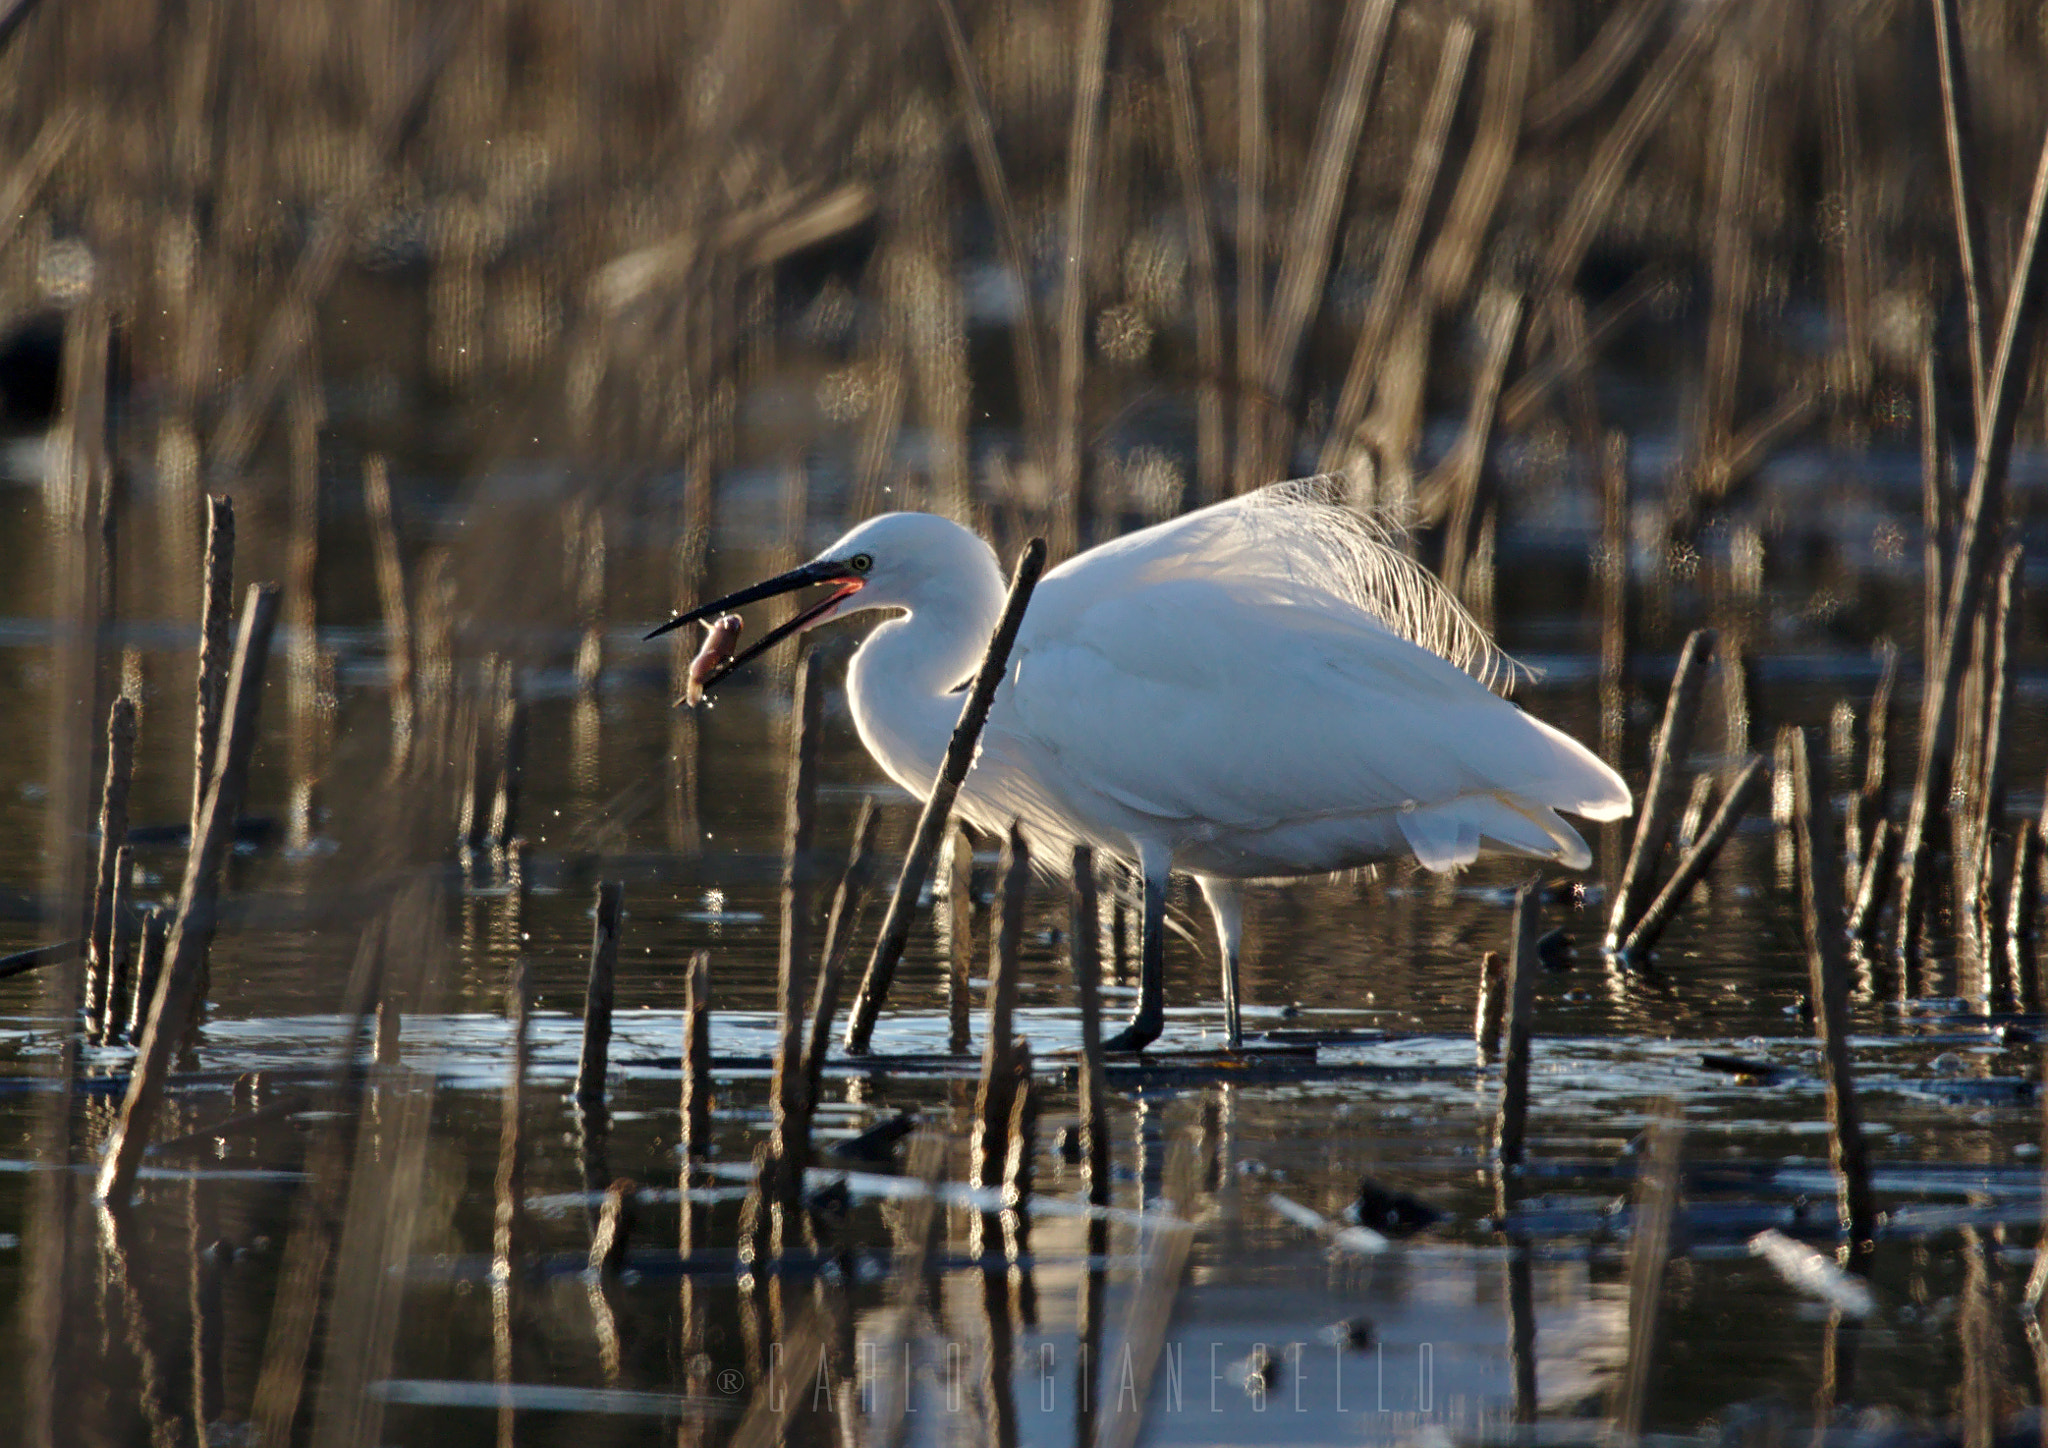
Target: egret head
{"type": "Point", "coordinates": [898, 560]}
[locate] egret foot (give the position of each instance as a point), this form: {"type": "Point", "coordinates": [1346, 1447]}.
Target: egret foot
{"type": "Point", "coordinates": [1133, 1038]}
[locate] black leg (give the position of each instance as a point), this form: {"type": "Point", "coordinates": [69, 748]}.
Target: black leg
{"type": "Point", "coordinates": [1146, 1024]}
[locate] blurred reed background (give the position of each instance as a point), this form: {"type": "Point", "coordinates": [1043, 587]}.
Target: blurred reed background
{"type": "Point", "coordinates": [507, 324]}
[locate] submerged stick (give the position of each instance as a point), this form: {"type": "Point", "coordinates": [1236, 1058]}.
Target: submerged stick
{"type": "Point", "coordinates": [99, 1003]}
{"type": "Point", "coordinates": [1660, 795]}
{"type": "Point", "coordinates": [1649, 1253]}
{"type": "Point", "coordinates": [874, 986]}
{"type": "Point", "coordinates": [598, 996]}
{"type": "Point", "coordinates": [1512, 1120]}
{"type": "Point", "coordinates": [1820, 873]}
{"type": "Point", "coordinates": [997, 1091]}
{"type": "Point", "coordinates": [791, 1136]}
{"type": "Point", "coordinates": [1085, 945]}
{"type": "Point", "coordinates": [182, 994]}
{"type": "Point", "coordinates": [696, 1105]}
{"type": "Point", "coordinates": [1697, 861]}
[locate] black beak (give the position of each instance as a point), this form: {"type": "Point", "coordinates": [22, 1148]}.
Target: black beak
{"type": "Point", "coordinates": [804, 577]}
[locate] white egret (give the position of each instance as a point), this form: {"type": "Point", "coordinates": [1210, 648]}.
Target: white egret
{"type": "Point", "coordinates": [1265, 688]}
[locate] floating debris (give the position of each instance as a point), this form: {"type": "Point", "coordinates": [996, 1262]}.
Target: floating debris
{"type": "Point", "coordinates": [1814, 1273]}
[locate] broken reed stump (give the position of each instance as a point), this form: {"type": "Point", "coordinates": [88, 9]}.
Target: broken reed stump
{"type": "Point", "coordinates": [1692, 868]}
{"type": "Point", "coordinates": [615, 1221]}
{"type": "Point", "coordinates": [1873, 875]}
{"type": "Point", "coordinates": [113, 836]}
{"type": "Point", "coordinates": [149, 964]}
{"type": "Point", "coordinates": [115, 991]}
{"type": "Point", "coordinates": [1512, 1120]}
{"type": "Point", "coordinates": [1867, 804]}
{"type": "Point", "coordinates": [696, 1104]}
{"type": "Point", "coordinates": [995, 1096]}
{"type": "Point", "coordinates": [791, 1132]}
{"type": "Point", "coordinates": [1085, 946]}
{"type": "Point", "coordinates": [931, 825]}
{"type": "Point", "coordinates": [598, 996]}
{"type": "Point", "coordinates": [847, 903]}
{"type": "Point", "coordinates": [509, 712]}
{"type": "Point", "coordinates": [1491, 1009]}
{"type": "Point", "coordinates": [1661, 794]}
{"type": "Point", "coordinates": [959, 939]}
{"type": "Point", "coordinates": [216, 644]}
{"type": "Point", "coordinates": [1820, 874]}
{"type": "Point", "coordinates": [182, 994]}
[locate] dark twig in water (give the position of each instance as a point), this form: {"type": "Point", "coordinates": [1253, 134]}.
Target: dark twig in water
{"type": "Point", "coordinates": [959, 940]}
{"type": "Point", "coordinates": [1491, 1011]}
{"type": "Point", "coordinates": [999, 1060]}
{"type": "Point", "coordinates": [1820, 874]}
{"type": "Point", "coordinates": [99, 1005]}
{"type": "Point", "coordinates": [116, 990]}
{"type": "Point", "coordinates": [21, 962]}
{"type": "Point", "coordinates": [931, 825]}
{"type": "Point", "coordinates": [1085, 945]}
{"type": "Point", "coordinates": [182, 994]}
{"type": "Point", "coordinates": [847, 903]}
{"type": "Point", "coordinates": [792, 1128]}
{"type": "Point", "coordinates": [1660, 796]}
{"type": "Point", "coordinates": [598, 996]}
{"type": "Point", "coordinates": [1510, 1123]}
{"type": "Point", "coordinates": [1697, 860]}
{"type": "Point", "coordinates": [216, 642]}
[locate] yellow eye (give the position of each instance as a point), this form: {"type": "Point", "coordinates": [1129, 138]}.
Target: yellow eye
{"type": "Point", "coordinates": [861, 562]}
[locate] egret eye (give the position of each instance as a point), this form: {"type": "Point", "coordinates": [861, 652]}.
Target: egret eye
{"type": "Point", "coordinates": [861, 562]}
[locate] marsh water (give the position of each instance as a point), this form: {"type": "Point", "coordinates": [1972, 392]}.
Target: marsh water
{"type": "Point", "coordinates": [1456, 1314]}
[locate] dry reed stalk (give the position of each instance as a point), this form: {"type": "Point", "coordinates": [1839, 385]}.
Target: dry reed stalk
{"type": "Point", "coordinates": [1251, 240]}
{"type": "Point", "coordinates": [1694, 819]}
{"type": "Point", "coordinates": [38, 163]}
{"type": "Point", "coordinates": [1463, 471]}
{"type": "Point", "coordinates": [1573, 350]}
{"type": "Point", "coordinates": [391, 595]}
{"type": "Point", "coordinates": [988, 166]}
{"type": "Point", "coordinates": [116, 996]}
{"type": "Point", "coordinates": [1211, 464]}
{"type": "Point", "coordinates": [880, 429]}
{"type": "Point", "coordinates": [1660, 795]}
{"type": "Point", "coordinates": [1872, 875]}
{"type": "Point", "coordinates": [1491, 1010]}
{"type": "Point", "coordinates": [1608, 167]}
{"type": "Point", "coordinates": [1937, 506]}
{"type": "Point", "coordinates": [1642, 938]}
{"type": "Point", "coordinates": [1574, 94]}
{"type": "Point", "coordinates": [847, 903]}
{"type": "Point", "coordinates": [959, 939]}
{"type": "Point", "coordinates": [1612, 574]}
{"type": "Point", "coordinates": [510, 1237]}
{"type": "Point", "coordinates": [1656, 1206]}
{"type": "Point", "coordinates": [1975, 538]}
{"type": "Point", "coordinates": [998, 1086]}
{"type": "Point", "coordinates": [1511, 1121]}
{"type": "Point", "coordinates": [216, 642]}
{"type": "Point", "coordinates": [2021, 898]}
{"type": "Point", "coordinates": [304, 415]}
{"type": "Point", "coordinates": [181, 996]}
{"type": "Point", "coordinates": [149, 963]}
{"type": "Point", "coordinates": [1973, 251]}
{"type": "Point", "coordinates": [1020, 1148]}
{"type": "Point", "coordinates": [1753, 445]}
{"type": "Point", "coordinates": [696, 1101]}
{"type": "Point", "coordinates": [613, 1239]}
{"type": "Point", "coordinates": [113, 837]}
{"type": "Point", "coordinates": [1820, 873]}
{"type": "Point", "coordinates": [931, 824]}
{"type": "Point", "coordinates": [589, 584]}
{"type": "Point", "coordinates": [1733, 264]}
{"type": "Point", "coordinates": [1304, 266]}
{"type": "Point", "coordinates": [1867, 804]}
{"type": "Point", "coordinates": [1446, 273]}
{"type": "Point", "coordinates": [1850, 242]}
{"type": "Point", "coordinates": [598, 996]}
{"type": "Point", "coordinates": [1390, 289]}
{"type": "Point", "coordinates": [1085, 945]}
{"type": "Point", "coordinates": [1091, 58]}
{"type": "Point", "coordinates": [1985, 813]}
{"type": "Point", "coordinates": [508, 715]}
{"type": "Point", "coordinates": [791, 1138]}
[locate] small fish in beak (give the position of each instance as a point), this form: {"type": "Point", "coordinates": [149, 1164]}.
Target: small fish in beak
{"type": "Point", "coordinates": [721, 642]}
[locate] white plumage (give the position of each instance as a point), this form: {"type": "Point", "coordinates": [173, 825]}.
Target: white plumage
{"type": "Point", "coordinates": [1265, 688]}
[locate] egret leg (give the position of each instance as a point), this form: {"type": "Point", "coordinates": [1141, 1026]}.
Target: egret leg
{"type": "Point", "coordinates": [1151, 1017]}
{"type": "Point", "coordinates": [1226, 903]}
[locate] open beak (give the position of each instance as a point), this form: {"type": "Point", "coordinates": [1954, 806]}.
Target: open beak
{"type": "Point", "coordinates": [849, 583]}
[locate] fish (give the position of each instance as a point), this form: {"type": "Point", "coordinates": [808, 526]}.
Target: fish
{"type": "Point", "coordinates": [721, 642]}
